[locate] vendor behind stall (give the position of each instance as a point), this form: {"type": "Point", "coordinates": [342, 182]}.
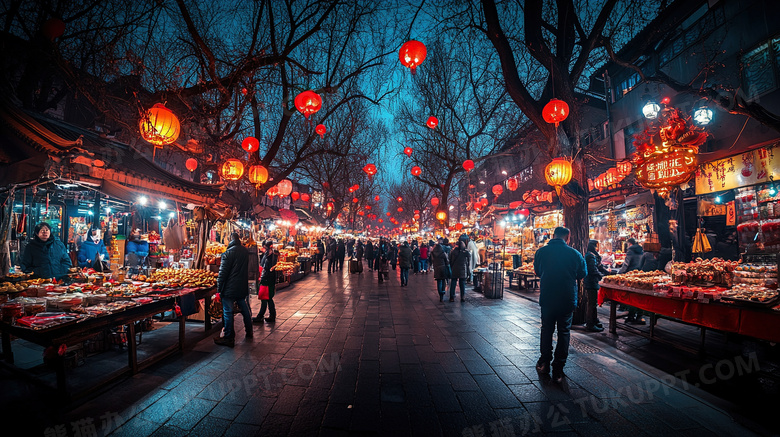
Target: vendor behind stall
{"type": "Point", "coordinates": [45, 255]}
{"type": "Point", "coordinates": [91, 248]}
{"type": "Point", "coordinates": [136, 250]}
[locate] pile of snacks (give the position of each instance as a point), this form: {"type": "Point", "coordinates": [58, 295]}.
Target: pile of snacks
{"type": "Point", "coordinates": [288, 255]}
{"type": "Point", "coordinates": [195, 278]}
{"type": "Point", "coordinates": [637, 279]}
{"type": "Point", "coordinates": [716, 271]}
{"type": "Point", "coordinates": [752, 293]}
{"type": "Point", "coordinates": [286, 268]}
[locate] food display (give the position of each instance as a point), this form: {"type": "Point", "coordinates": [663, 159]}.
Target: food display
{"type": "Point", "coordinates": [286, 268]}
{"type": "Point", "coordinates": [288, 255]}
{"type": "Point", "coordinates": [194, 278]}
{"type": "Point", "coordinates": [756, 274]}
{"type": "Point", "coordinates": [752, 293]}
{"type": "Point", "coordinates": [714, 271]}
{"type": "Point", "coordinates": [638, 279]}
{"type": "Point", "coordinates": [526, 269]}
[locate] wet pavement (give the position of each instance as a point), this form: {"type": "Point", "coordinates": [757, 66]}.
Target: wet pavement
{"type": "Point", "coordinates": [350, 356]}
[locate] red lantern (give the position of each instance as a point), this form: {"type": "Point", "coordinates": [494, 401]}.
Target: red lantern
{"type": "Point", "coordinates": [525, 212]}
{"type": "Point", "coordinates": [458, 226]}
{"type": "Point", "coordinates": [273, 191]}
{"type": "Point", "coordinates": [53, 28]}
{"type": "Point", "coordinates": [412, 54]}
{"type": "Point", "coordinates": [512, 184]}
{"type": "Point", "coordinates": [370, 169]}
{"type": "Point", "coordinates": [408, 151]}
{"type": "Point", "coordinates": [477, 206]}
{"type": "Point", "coordinates": [285, 187]}
{"type": "Point", "coordinates": [435, 201]}
{"type": "Point", "coordinates": [329, 206]}
{"type": "Point", "coordinates": [295, 196]}
{"type": "Point", "coordinates": [381, 220]}
{"type": "Point", "coordinates": [361, 213]}
{"type": "Point", "coordinates": [159, 126]}
{"type": "Point", "coordinates": [612, 176]}
{"type": "Point", "coordinates": [432, 122]}
{"type": "Point", "coordinates": [308, 103]}
{"type": "Point", "coordinates": [484, 201]}
{"type": "Point", "coordinates": [441, 216]}
{"type": "Point", "coordinates": [468, 165]}
{"type": "Point", "coordinates": [555, 111]}
{"type": "Point", "coordinates": [258, 174]}
{"type": "Point", "coordinates": [368, 206]}
{"type": "Point", "coordinates": [600, 182]}
{"type": "Point", "coordinates": [191, 164]}
{"type": "Point", "coordinates": [305, 197]}
{"type": "Point", "coordinates": [558, 173]}
{"type": "Point", "coordinates": [497, 190]}
{"type": "Point", "coordinates": [376, 198]}
{"type": "Point", "coordinates": [388, 214]}
{"type": "Point", "coordinates": [232, 170]}
{"type": "Point", "coordinates": [355, 200]}
{"type": "Point", "coordinates": [320, 129]}
{"type": "Point", "coordinates": [624, 167]}
{"type": "Point", "coordinates": [416, 171]}
{"type": "Point", "coordinates": [417, 216]}
{"type": "Point", "coordinates": [400, 209]}
{"type": "Point", "coordinates": [250, 144]}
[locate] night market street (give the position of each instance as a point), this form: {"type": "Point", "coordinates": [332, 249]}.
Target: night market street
{"type": "Point", "coordinates": [347, 356]}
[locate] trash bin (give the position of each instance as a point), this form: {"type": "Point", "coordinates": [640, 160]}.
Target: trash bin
{"type": "Point", "coordinates": [493, 287]}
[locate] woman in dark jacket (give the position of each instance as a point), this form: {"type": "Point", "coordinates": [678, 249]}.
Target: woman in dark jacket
{"type": "Point", "coordinates": [460, 260]}
{"type": "Point", "coordinates": [45, 255]}
{"type": "Point", "coordinates": [359, 251]}
{"type": "Point", "coordinates": [370, 255]}
{"type": "Point", "coordinates": [596, 271]}
{"type": "Point", "coordinates": [405, 262]}
{"type": "Point", "coordinates": [633, 262]}
{"type": "Point", "coordinates": [233, 287]}
{"type": "Point", "coordinates": [441, 267]}
{"type": "Point", "coordinates": [268, 279]}
{"type": "Point", "coordinates": [415, 258]}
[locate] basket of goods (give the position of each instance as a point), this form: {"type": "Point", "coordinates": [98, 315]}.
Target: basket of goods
{"type": "Point", "coordinates": [191, 278]}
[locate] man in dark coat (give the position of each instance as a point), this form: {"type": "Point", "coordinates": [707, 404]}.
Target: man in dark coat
{"type": "Point", "coordinates": [319, 256]}
{"type": "Point", "coordinates": [393, 254]}
{"type": "Point", "coordinates": [460, 263]}
{"type": "Point", "coordinates": [632, 262]}
{"type": "Point", "coordinates": [331, 255]}
{"type": "Point", "coordinates": [560, 268]}
{"type": "Point", "coordinates": [370, 255]}
{"type": "Point", "coordinates": [350, 247]}
{"type": "Point", "coordinates": [596, 271]}
{"type": "Point", "coordinates": [440, 263]}
{"type": "Point", "coordinates": [341, 253]}
{"type": "Point", "coordinates": [405, 262]}
{"type": "Point", "coordinates": [233, 287]}
{"type": "Point", "coordinates": [415, 257]}
{"type": "Point", "coordinates": [382, 252]}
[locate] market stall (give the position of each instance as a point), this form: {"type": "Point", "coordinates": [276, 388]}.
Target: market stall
{"type": "Point", "coordinates": [715, 294]}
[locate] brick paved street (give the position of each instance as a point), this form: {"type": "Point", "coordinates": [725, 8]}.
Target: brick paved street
{"type": "Point", "coordinates": [348, 356]}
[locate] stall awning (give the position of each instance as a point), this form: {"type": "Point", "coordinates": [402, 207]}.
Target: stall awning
{"type": "Point", "coordinates": [643, 198]}
{"type": "Point", "coordinates": [131, 194]}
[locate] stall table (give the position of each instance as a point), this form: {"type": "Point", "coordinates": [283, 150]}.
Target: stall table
{"type": "Point", "coordinates": [76, 332]}
{"type": "Point", "coordinates": [751, 321]}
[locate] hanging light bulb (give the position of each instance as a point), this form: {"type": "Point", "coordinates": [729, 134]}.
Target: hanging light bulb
{"type": "Point", "coordinates": [702, 114]}
{"type": "Point", "coordinates": [651, 108]}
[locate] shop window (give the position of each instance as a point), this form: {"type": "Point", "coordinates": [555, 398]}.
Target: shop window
{"type": "Point", "coordinates": [627, 85]}
{"type": "Point", "coordinates": [759, 69]}
{"type": "Point", "coordinates": [697, 26]}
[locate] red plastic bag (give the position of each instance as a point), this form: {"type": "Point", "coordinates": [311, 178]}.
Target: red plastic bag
{"type": "Point", "coordinates": [263, 293]}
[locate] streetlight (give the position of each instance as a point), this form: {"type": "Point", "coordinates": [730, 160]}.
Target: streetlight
{"type": "Point", "coordinates": [702, 114]}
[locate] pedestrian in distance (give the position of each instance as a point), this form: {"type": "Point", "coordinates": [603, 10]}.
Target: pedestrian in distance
{"type": "Point", "coordinates": [405, 262]}
{"type": "Point", "coordinates": [472, 247]}
{"type": "Point", "coordinates": [559, 268]}
{"type": "Point", "coordinates": [341, 253]}
{"type": "Point", "coordinates": [415, 257]}
{"type": "Point", "coordinates": [460, 264]}
{"type": "Point", "coordinates": [370, 255]}
{"type": "Point", "coordinates": [596, 271]}
{"type": "Point", "coordinates": [441, 267]}
{"type": "Point", "coordinates": [382, 259]}
{"type": "Point", "coordinates": [319, 256]}
{"type": "Point", "coordinates": [331, 255]}
{"type": "Point", "coordinates": [424, 258]}
{"type": "Point", "coordinates": [268, 279]}
{"type": "Point", "coordinates": [233, 287]}
{"type": "Point", "coordinates": [393, 255]}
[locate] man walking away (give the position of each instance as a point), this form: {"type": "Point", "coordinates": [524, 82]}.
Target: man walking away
{"type": "Point", "coordinates": [405, 262]}
{"type": "Point", "coordinates": [415, 258]}
{"type": "Point", "coordinates": [331, 254]}
{"type": "Point", "coordinates": [320, 255]}
{"type": "Point", "coordinates": [233, 287]}
{"type": "Point", "coordinates": [393, 255]}
{"type": "Point", "coordinates": [559, 267]}
{"type": "Point", "coordinates": [341, 252]}
{"type": "Point", "coordinates": [460, 260]}
{"type": "Point", "coordinates": [370, 255]}
{"type": "Point", "coordinates": [441, 267]}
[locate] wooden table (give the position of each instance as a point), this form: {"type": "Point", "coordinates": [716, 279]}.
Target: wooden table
{"type": "Point", "coordinates": [73, 333]}
{"type": "Point", "coordinates": [524, 280]}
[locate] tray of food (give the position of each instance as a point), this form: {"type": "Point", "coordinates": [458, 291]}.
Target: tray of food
{"type": "Point", "coordinates": [752, 295]}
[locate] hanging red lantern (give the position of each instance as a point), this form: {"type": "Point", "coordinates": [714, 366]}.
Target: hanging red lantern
{"type": "Point", "coordinates": [441, 216]}
{"type": "Point", "coordinates": [258, 174]}
{"type": "Point", "coordinates": [400, 209]}
{"type": "Point", "coordinates": [497, 190]}
{"type": "Point", "coordinates": [159, 126]}
{"type": "Point", "coordinates": [388, 214]}
{"type": "Point", "coordinates": [432, 122]}
{"type": "Point", "coordinates": [295, 196]}
{"type": "Point", "coordinates": [250, 144]}
{"type": "Point", "coordinates": [54, 28]}
{"type": "Point", "coordinates": [381, 220]}
{"type": "Point", "coordinates": [484, 201]}
{"type": "Point", "coordinates": [370, 170]}
{"type": "Point", "coordinates": [273, 191]}
{"type": "Point", "coordinates": [361, 213]}
{"type": "Point", "coordinates": [624, 167]}
{"type": "Point", "coordinates": [468, 165]}
{"type": "Point", "coordinates": [355, 200]}
{"type": "Point", "coordinates": [525, 212]}
{"type": "Point", "coordinates": [555, 111]}
{"type": "Point", "coordinates": [400, 199]}
{"type": "Point", "coordinates": [368, 206]}
{"type": "Point", "coordinates": [558, 173]}
{"type": "Point", "coordinates": [612, 176]}
{"type": "Point", "coordinates": [376, 198]}
{"type": "Point", "coordinates": [285, 187]}
{"type": "Point", "coordinates": [435, 201]}
{"type": "Point", "coordinates": [305, 197]}
{"type": "Point", "coordinates": [512, 184]}
{"type": "Point", "coordinates": [417, 216]}
{"type": "Point", "coordinates": [191, 164]}
{"type": "Point", "coordinates": [329, 206]}
{"type": "Point", "coordinates": [458, 226]}
{"type": "Point", "coordinates": [477, 206]}
{"type": "Point", "coordinates": [352, 189]}
{"type": "Point", "coordinates": [416, 171]}
{"type": "Point", "coordinates": [321, 129]}
{"type": "Point", "coordinates": [308, 103]}
{"type": "Point", "coordinates": [412, 54]}
{"type": "Point", "coordinates": [232, 170]}
{"type": "Point", "coordinates": [408, 151]}
{"type": "Point", "coordinates": [600, 182]}
{"type": "Point", "coordinates": [356, 187]}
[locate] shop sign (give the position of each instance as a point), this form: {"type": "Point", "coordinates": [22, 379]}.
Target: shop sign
{"type": "Point", "coordinates": [731, 214]}
{"type": "Point", "coordinates": [548, 221]}
{"type": "Point", "coordinates": [665, 171]}
{"type": "Point", "coordinates": [749, 168]}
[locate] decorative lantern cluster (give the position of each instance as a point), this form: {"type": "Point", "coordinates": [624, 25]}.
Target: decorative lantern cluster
{"type": "Point", "coordinates": [370, 170]}
{"type": "Point", "coordinates": [159, 126]}
{"type": "Point", "coordinates": [611, 177]}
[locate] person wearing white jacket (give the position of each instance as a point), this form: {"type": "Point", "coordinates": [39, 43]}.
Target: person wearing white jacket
{"type": "Point", "coordinates": [472, 247]}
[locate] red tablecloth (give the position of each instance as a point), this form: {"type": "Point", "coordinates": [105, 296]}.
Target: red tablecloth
{"type": "Point", "coordinates": [753, 322]}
